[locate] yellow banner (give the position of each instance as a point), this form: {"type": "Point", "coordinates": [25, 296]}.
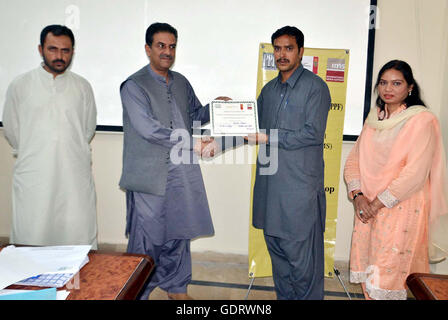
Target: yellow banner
{"type": "Point", "coordinates": [332, 66]}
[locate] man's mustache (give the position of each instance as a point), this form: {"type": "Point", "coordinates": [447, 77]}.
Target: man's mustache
{"type": "Point", "coordinates": [59, 60]}
{"type": "Point", "coordinates": [166, 56]}
{"type": "Point", "coordinates": [282, 60]}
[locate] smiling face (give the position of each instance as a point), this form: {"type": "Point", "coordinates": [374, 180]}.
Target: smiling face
{"type": "Point", "coordinates": [162, 52]}
{"type": "Point", "coordinates": [393, 88]}
{"type": "Point", "coordinates": [57, 53]}
{"type": "Point", "coordinates": [287, 55]}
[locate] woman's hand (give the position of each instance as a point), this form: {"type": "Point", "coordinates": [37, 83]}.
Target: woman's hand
{"type": "Point", "coordinates": [365, 209]}
{"type": "Point", "coordinates": [362, 208]}
{"type": "Point", "coordinates": [376, 205]}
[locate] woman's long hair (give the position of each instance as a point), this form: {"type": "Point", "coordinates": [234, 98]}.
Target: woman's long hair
{"type": "Point", "coordinates": [405, 69]}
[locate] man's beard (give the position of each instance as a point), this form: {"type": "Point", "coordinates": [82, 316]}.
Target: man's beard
{"type": "Point", "coordinates": [57, 70]}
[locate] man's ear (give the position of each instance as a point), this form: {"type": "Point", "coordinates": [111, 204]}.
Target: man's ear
{"type": "Point", "coordinates": [40, 50]}
{"type": "Point", "coordinates": [147, 50]}
{"type": "Point", "coordinates": [301, 50]}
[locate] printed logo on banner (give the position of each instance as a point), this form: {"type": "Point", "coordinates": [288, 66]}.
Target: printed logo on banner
{"type": "Point", "coordinates": [315, 64]}
{"type": "Point", "coordinates": [335, 70]}
{"type": "Point", "coordinates": [311, 63]}
{"type": "Point", "coordinates": [269, 61]}
{"type": "Point", "coordinates": [337, 106]}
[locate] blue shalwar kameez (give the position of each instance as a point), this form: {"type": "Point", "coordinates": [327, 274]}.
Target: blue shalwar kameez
{"type": "Point", "coordinates": [290, 204]}
{"type": "Point", "coordinates": [162, 226]}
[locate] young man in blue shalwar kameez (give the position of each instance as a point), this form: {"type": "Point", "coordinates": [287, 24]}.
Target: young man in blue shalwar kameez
{"type": "Point", "coordinates": [289, 205]}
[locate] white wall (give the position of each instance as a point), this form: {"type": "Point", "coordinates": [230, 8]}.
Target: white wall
{"type": "Point", "coordinates": [408, 30]}
{"type": "Point", "coordinates": [217, 49]}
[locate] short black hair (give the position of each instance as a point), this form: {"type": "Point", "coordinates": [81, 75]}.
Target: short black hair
{"type": "Point", "coordinates": [57, 30]}
{"type": "Point", "coordinates": [290, 31]}
{"type": "Point", "coordinates": [158, 27]}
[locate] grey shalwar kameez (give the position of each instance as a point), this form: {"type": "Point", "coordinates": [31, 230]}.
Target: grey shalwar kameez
{"type": "Point", "coordinates": [289, 205]}
{"type": "Point", "coordinates": [161, 226]}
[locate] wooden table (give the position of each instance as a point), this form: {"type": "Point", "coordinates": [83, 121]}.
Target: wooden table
{"type": "Point", "coordinates": [426, 286]}
{"type": "Point", "coordinates": [107, 276]}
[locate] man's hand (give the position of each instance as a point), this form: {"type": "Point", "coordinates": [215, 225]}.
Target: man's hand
{"type": "Point", "coordinates": [209, 148]}
{"type": "Point", "coordinates": [257, 138]}
{"type": "Point", "coordinates": [206, 147]}
{"type": "Point", "coordinates": [223, 98]}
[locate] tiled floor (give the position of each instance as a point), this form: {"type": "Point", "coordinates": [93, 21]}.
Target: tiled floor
{"type": "Point", "coordinates": [225, 277]}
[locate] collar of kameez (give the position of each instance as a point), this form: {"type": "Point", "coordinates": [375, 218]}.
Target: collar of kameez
{"type": "Point", "coordinates": [49, 75]}
{"type": "Point", "coordinates": [293, 78]}
{"type": "Point", "coordinates": [158, 77]}
{"type": "Point", "coordinates": [372, 118]}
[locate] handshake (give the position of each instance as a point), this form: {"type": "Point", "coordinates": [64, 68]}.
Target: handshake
{"type": "Point", "coordinates": [206, 147]}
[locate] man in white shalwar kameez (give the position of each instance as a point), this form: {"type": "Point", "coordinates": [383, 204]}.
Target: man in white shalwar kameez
{"type": "Point", "coordinates": [49, 119]}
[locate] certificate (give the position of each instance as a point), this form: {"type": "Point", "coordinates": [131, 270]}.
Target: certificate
{"type": "Point", "coordinates": [233, 118]}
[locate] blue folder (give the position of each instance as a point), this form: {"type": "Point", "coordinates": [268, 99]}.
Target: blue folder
{"type": "Point", "coordinates": [44, 294]}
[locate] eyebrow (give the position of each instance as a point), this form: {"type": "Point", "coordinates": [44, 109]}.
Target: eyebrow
{"type": "Point", "coordinates": [399, 80]}
{"type": "Point", "coordinates": [56, 47]}
{"type": "Point", "coordinates": [167, 44]}
{"type": "Point", "coordinates": [287, 46]}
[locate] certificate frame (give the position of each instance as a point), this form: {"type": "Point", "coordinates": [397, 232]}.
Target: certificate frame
{"type": "Point", "coordinates": [233, 117]}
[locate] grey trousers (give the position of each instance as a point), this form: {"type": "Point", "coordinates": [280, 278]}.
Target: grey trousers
{"type": "Point", "coordinates": [298, 266]}
{"type": "Point", "coordinates": [146, 233]}
{"type": "Point", "coordinates": [172, 271]}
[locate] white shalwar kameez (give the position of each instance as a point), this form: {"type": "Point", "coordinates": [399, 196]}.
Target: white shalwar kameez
{"type": "Point", "coordinates": [49, 122]}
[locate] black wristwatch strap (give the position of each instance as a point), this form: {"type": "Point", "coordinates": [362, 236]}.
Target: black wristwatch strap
{"type": "Point", "coordinates": [357, 194]}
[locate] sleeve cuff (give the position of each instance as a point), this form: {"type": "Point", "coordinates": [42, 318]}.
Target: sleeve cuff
{"type": "Point", "coordinates": [388, 199]}
{"type": "Point", "coordinates": [353, 185]}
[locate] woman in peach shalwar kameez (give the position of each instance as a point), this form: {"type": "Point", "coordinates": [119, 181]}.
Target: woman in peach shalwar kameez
{"type": "Point", "coordinates": [396, 176]}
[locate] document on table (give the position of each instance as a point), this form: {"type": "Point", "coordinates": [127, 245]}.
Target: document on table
{"type": "Point", "coordinates": [233, 118]}
{"type": "Point", "coordinates": [19, 263]}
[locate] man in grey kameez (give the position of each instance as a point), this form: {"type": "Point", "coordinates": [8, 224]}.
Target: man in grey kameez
{"type": "Point", "coordinates": [166, 202]}
{"type": "Point", "coordinates": [289, 205]}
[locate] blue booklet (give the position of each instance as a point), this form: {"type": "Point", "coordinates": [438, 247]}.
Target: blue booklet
{"type": "Point", "coordinates": [44, 294]}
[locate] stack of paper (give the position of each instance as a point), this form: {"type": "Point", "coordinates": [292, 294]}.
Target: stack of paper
{"type": "Point", "coordinates": [22, 263]}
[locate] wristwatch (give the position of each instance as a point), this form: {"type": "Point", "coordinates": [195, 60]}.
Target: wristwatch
{"type": "Point", "coordinates": [357, 194]}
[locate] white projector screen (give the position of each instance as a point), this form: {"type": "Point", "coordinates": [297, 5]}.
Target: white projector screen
{"type": "Point", "coordinates": [217, 46]}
